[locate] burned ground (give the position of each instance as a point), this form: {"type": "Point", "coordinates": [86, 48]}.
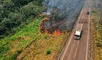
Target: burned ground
{"type": "Point", "coordinates": [63, 14]}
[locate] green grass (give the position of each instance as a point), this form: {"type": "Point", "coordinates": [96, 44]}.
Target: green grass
{"type": "Point", "coordinates": [19, 40]}
{"type": "Point", "coordinates": [20, 43]}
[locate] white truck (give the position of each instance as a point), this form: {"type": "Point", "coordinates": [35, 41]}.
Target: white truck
{"type": "Point", "coordinates": [78, 32]}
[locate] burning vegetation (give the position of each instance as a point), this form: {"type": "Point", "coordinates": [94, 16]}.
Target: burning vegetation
{"type": "Point", "coordinates": [59, 18]}
{"type": "Point", "coordinates": [56, 32]}
{"type": "Point", "coordinates": [51, 23]}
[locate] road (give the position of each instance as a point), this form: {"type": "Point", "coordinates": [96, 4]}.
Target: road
{"type": "Point", "coordinates": [79, 49]}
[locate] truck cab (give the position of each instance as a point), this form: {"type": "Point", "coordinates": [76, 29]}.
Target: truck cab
{"type": "Point", "coordinates": [78, 34]}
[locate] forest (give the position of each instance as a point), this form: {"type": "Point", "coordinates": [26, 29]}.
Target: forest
{"type": "Point", "coordinates": [14, 14]}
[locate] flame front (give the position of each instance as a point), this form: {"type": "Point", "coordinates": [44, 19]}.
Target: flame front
{"type": "Point", "coordinates": [56, 32]}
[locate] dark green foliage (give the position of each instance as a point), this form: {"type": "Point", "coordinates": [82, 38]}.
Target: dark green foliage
{"type": "Point", "coordinates": [3, 49]}
{"type": "Point", "coordinates": [48, 52]}
{"type": "Point", "coordinates": [15, 13]}
{"type": "Point", "coordinates": [21, 2]}
{"type": "Point", "coordinates": [2, 30]}
{"type": "Point", "coordinates": [29, 10]}
{"type": "Point", "coordinates": [7, 23]}
{"type": "Point", "coordinates": [38, 1]}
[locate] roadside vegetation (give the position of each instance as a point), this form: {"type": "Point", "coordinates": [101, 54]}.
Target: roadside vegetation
{"type": "Point", "coordinates": [96, 34]}
{"type": "Point", "coordinates": [14, 14]}
{"type": "Point", "coordinates": [28, 43]}
{"type": "Point", "coordinates": [20, 37]}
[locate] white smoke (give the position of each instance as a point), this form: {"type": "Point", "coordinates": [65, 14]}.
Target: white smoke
{"type": "Point", "coordinates": [68, 8]}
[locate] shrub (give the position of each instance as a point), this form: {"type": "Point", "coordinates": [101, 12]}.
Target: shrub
{"type": "Point", "coordinates": [3, 49]}
{"type": "Point", "coordinates": [48, 52]}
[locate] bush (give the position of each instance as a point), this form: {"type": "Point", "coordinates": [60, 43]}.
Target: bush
{"type": "Point", "coordinates": [48, 52]}
{"type": "Point", "coordinates": [3, 49]}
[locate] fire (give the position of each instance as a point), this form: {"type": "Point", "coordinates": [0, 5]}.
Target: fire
{"type": "Point", "coordinates": [42, 29]}
{"type": "Point", "coordinates": [56, 32]}
{"type": "Point", "coordinates": [41, 14]}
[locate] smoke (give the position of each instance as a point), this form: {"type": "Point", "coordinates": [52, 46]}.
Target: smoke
{"type": "Point", "coordinates": [69, 9]}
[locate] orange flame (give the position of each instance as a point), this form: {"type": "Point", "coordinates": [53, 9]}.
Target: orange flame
{"type": "Point", "coordinates": [41, 14]}
{"type": "Point", "coordinates": [42, 29]}
{"type": "Point", "coordinates": [56, 32]}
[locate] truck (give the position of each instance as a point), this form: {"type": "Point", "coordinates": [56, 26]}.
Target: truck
{"type": "Point", "coordinates": [78, 32]}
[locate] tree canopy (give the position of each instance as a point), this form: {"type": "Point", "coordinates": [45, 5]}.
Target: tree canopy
{"type": "Point", "coordinates": [14, 13]}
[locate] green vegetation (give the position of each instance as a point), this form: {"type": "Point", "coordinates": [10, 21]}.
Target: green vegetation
{"type": "Point", "coordinates": [19, 25]}
{"type": "Point", "coordinates": [29, 39]}
{"type": "Point", "coordinates": [20, 40]}
{"type": "Point", "coordinates": [15, 13]}
{"type": "Point", "coordinates": [3, 49]}
{"type": "Point", "coordinates": [14, 56]}
{"type": "Point", "coordinates": [48, 52]}
{"type": "Point", "coordinates": [20, 37]}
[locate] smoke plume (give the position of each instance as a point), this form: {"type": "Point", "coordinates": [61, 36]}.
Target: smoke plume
{"type": "Point", "coordinates": [67, 9]}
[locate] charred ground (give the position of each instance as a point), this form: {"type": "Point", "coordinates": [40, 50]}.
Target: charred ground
{"type": "Point", "coordinates": [60, 15]}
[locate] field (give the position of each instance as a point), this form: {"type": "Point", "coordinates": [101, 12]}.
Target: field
{"type": "Point", "coordinates": [28, 44]}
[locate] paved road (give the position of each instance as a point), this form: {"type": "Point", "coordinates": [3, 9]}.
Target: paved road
{"type": "Point", "coordinates": [79, 49]}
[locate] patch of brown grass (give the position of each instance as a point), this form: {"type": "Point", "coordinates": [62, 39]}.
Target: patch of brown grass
{"type": "Point", "coordinates": [97, 51]}
{"type": "Point", "coordinates": [37, 50]}
{"type": "Point", "coordinates": [14, 45]}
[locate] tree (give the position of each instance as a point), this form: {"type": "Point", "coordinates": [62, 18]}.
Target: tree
{"type": "Point", "coordinates": [21, 2]}
{"type": "Point", "coordinates": [30, 10]}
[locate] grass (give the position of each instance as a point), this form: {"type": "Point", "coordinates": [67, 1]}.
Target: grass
{"type": "Point", "coordinates": [96, 35]}
{"type": "Point", "coordinates": [28, 43]}
{"type": "Point", "coordinates": [14, 56]}
{"type": "Point", "coordinates": [20, 40]}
